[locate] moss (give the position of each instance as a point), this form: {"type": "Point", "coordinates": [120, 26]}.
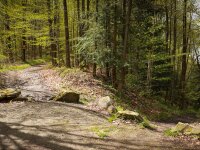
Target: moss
{"type": "Point", "coordinates": [168, 132]}
{"type": "Point", "coordinates": [184, 129]}
{"type": "Point", "coordinates": [113, 117]}
{"type": "Point", "coordinates": [147, 124]}
{"type": "Point", "coordinates": [102, 132]}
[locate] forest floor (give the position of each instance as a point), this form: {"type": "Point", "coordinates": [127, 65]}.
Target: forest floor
{"type": "Point", "coordinates": [48, 125]}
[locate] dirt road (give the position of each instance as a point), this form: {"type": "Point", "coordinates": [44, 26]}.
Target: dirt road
{"type": "Point", "coordinates": [56, 126]}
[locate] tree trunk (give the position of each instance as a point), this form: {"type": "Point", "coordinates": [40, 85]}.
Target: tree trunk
{"type": "Point", "coordinates": [108, 34]}
{"type": "Point", "coordinates": [68, 63]}
{"type": "Point", "coordinates": [114, 69]}
{"type": "Point", "coordinates": [125, 42]}
{"type": "Point", "coordinates": [167, 26]}
{"type": "Point", "coordinates": [173, 53]}
{"type": "Point", "coordinates": [94, 70]}
{"type": "Point", "coordinates": [8, 40]}
{"type": "Point", "coordinates": [51, 34]}
{"type": "Point", "coordinates": [24, 46]}
{"type": "Point", "coordinates": [184, 52]}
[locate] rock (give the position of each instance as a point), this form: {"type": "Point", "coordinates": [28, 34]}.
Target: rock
{"type": "Point", "coordinates": [104, 102]}
{"type": "Point", "coordinates": [180, 127]}
{"type": "Point", "coordinates": [111, 109]}
{"type": "Point", "coordinates": [9, 94]}
{"type": "Point", "coordinates": [68, 97]}
{"type": "Point", "coordinates": [127, 114]}
{"type": "Point", "coordinates": [186, 129]}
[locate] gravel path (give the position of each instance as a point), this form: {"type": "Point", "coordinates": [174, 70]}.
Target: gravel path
{"type": "Point", "coordinates": [32, 82]}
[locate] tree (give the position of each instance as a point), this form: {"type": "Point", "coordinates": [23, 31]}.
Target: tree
{"type": "Point", "coordinates": [125, 41]}
{"type": "Point", "coordinates": [68, 63]}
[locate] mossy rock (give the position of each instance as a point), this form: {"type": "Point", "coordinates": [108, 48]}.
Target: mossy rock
{"type": "Point", "coordinates": [68, 97]}
{"type": "Point", "coordinates": [186, 129]}
{"type": "Point", "coordinates": [9, 94]}
{"type": "Point", "coordinates": [126, 114]}
{"type": "Point", "coordinates": [132, 115]}
{"type": "Point", "coordinates": [180, 127]}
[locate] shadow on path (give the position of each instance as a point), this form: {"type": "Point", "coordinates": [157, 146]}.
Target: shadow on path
{"type": "Point", "coordinates": [11, 135]}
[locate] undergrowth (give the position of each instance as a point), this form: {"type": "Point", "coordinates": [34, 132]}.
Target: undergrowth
{"type": "Point", "coordinates": [168, 132]}
{"type": "Point", "coordinates": [20, 66]}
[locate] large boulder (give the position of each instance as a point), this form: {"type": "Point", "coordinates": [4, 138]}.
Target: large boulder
{"type": "Point", "coordinates": [9, 94]}
{"type": "Point", "coordinates": [68, 97]}
{"type": "Point", "coordinates": [186, 129]}
{"type": "Point", "coordinates": [135, 116]}
{"type": "Point", "coordinates": [104, 102]}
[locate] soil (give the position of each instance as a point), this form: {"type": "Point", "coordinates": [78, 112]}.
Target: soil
{"type": "Point", "coordinates": [48, 125]}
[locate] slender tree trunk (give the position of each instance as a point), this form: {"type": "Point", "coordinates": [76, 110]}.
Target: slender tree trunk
{"type": "Point", "coordinates": [78, 30]}
{"type": "Point", "coordinates": [83, 17]}
{"type": "Point", "coordinates": [78, 17]}
{"type": "Point", "coordinates": [167, 26]}
{"type": "Point", "coordinates": [24, 46]}
{"type": "Point", "coordinates": [114, 69]}
{"type": "Point", "coordinates": [184, 52]}
{"type": "Point", "coordinates": [51, 33]}
{"type": "Point", "coordinates": [96, 46]}
{"type": "Point", "coordinates": [108, 34]}
{"type": "Point", "coordinates": [68, 63]}
{"type": "Point", "coordinates": [125, 43]}
{"type": "Point", "coordinates": [8, 40]}
{"type": "Point", "coordinates": [174, 70]}
{"type": "Point", "coordinates": [57, 53]}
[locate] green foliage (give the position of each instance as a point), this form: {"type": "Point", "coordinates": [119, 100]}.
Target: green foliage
{"type": "Point", "coordinates": [168, 132]}
{"type": "Point", "coordinates": [91, 46]}
{"type": "Point", "coordinates": [132, 81]}
{"type": "Point", "coordinates": [14, 67]}
{"type": "Point", "coordinates": [147, 124]}
{"type": "Point", "coordinates": [113, 117]}
{"type": "Point", "coordinates": [103, 132]}
{"type": "Point", "coordinates": [36, 62]}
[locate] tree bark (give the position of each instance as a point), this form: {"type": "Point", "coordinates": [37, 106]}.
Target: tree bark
{"type": "Point", "coordinates": [94, 70]}
{"type": "Point", "coordinates": [114, 69]}
{"type": "Point", "coordinates": [184, 53]}
{"type": "Point", "coordinates": [24, 46]}
{"type": "Point", "coordinates": [125, 42]}
{"type": "Point", "coordinates": [68, 63]}
{"type": "Point", "coordinates": [8, 40]}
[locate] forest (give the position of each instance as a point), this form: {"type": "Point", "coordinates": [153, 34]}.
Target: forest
{"type": "Point", "coordinates": [145, 52]}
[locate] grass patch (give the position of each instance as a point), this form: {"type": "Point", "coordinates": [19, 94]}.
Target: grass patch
{"type": "Point", "coordinates": [21, 66]}
{"type": "Point", "coordinates": [36, 62]}
{"type": "Point", "coordinates": [84, 101]}
{"type": "Point", "coordinates": [113, 117]}
{"type": "Point", "coordinates": [147, 124]}
{"type": "Point", "coordinates": [14, 67]}
{"type": "Point", "coordinates": [168, 132]}
{"type": "Point", "coordinates": [102, 132]}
